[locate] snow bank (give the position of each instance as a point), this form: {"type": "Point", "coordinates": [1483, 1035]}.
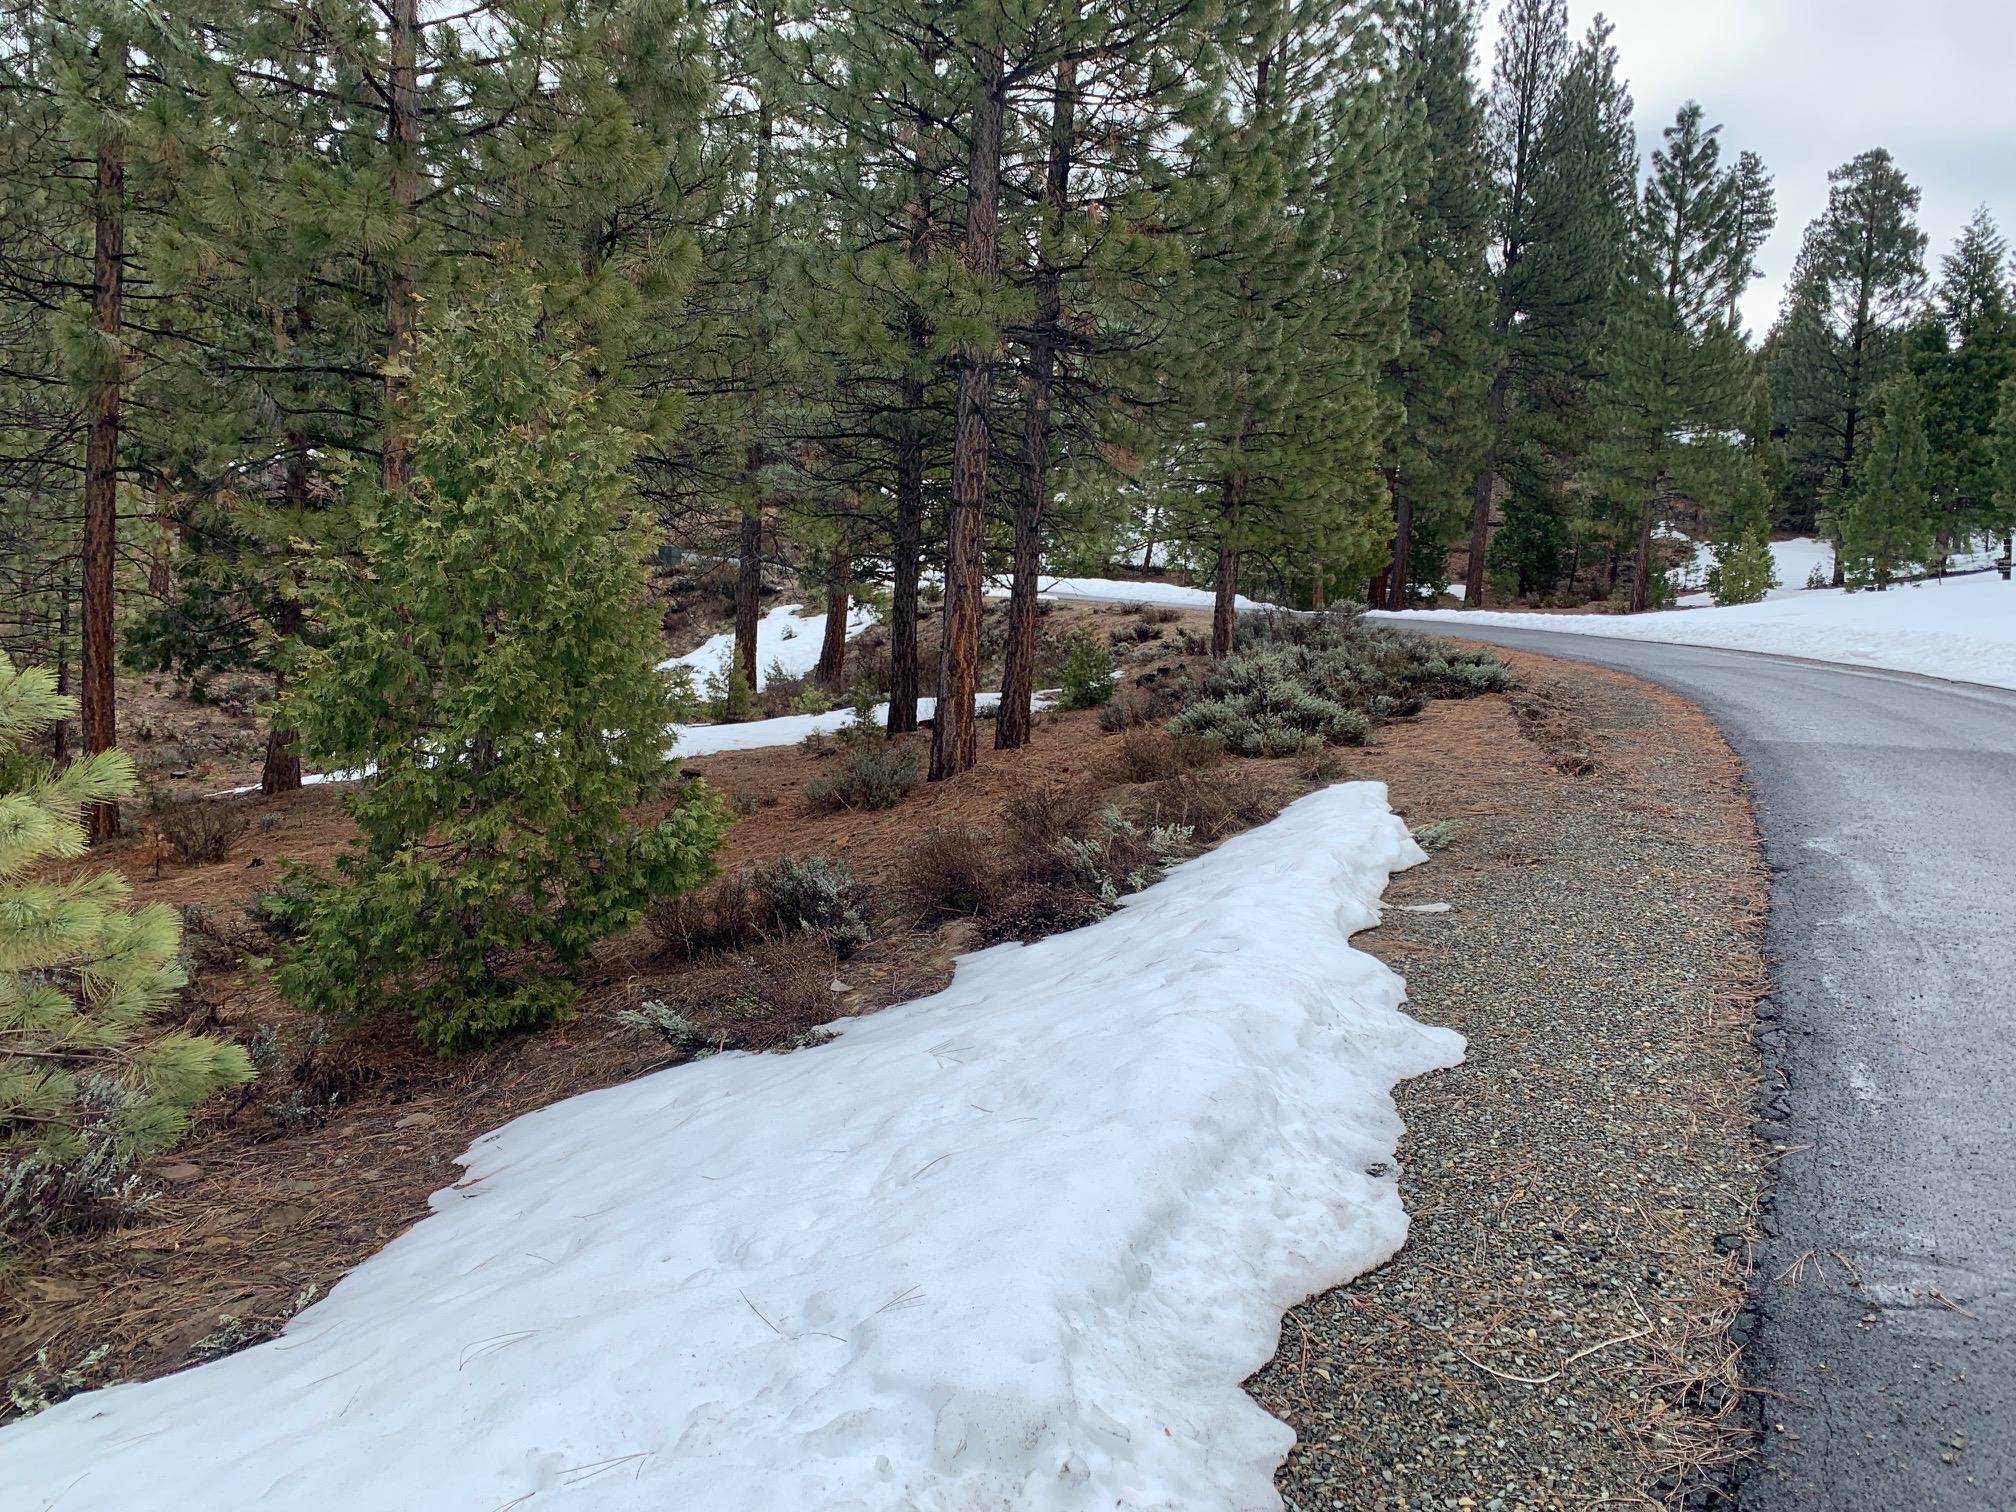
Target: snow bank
{"type": "Point", "coordinates": [1959, 628]}
{"type": "Point", "coordinates": [783, 636]}
{"type": "Point", "coordinates": [1792, 564]}
{"type": "Point", "coordinates": [1014, 1245]}
{"type": "Point", "coordinates": [1125, 591]}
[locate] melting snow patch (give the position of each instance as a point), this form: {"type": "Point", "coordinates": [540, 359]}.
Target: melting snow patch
{"type": "Point", "coordinates": [784, 638]}
{"type": "Point", "coordinates": [1013, 1245]}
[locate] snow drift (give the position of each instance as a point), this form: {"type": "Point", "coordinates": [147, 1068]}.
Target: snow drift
{"type": "Point", "coordinates": [1014, 1245]}
{"type": "Point", "coordinates": [1961, 628]}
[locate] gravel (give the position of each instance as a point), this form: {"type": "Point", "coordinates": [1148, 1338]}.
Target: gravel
{"type": "Point", "coordinates": [1585, 1187]}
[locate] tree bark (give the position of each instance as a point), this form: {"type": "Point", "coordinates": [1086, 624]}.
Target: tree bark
{"type": "Point", "coordinates": [905, 563]}
{"type": "Point", "coordinates": [749, 577]}
{"type": "Point", "coordinates": [1403, 545]}
{"type": "Point", "coordinates": [1316, 586]}
{"type": "Point", "coordinates": [1480, 499]}
{"type": "Point", "coordinates": [1641, 563]}
{"type": "Point", "coordinates": [1225, 598]}
{"type": "Point", "coordinates": [281, 772]}
{"type": "Point", "coordinates": [101, 448]}
{"type": "Point", "coordinates": [954, 734]}
{"type": "Point", "coordinates": [402, 141]}
{"type": "Point", "coordinates": [832, 669]}
{"type": "Point", "coordinates": [1012, 720]}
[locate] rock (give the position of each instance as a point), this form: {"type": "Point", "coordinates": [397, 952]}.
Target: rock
{"type": "Point", "coordinates": [182, 1170]}
{"type": "Point", "coordinates": [414, 1121]}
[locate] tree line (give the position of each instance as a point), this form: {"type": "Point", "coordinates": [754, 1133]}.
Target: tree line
{"type": "Point", "coordinates": [1296, 297]}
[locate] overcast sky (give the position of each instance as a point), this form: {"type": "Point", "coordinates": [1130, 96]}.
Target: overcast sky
{"type": "Point", "coordinates": [1810, 83]}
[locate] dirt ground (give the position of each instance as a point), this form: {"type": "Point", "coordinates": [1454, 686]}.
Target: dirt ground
{"type": "Point", "coordinates": [1563, 1327]}
{"type": "Point", "coordinates": [276, 1195]}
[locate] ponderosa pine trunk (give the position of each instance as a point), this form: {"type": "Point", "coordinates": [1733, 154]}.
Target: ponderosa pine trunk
{"type": "Point", "coordinates": [905, 564]}
{"type": "Point", "coordinates": [402, 140]}
{"type": "Point", "coordinates": [101, 450]}
{"type": "Point", "coordinates": [749, 547]}
{"type": "Point", "coordinates": [1403, 545]}
{"type": "Point", "coordinates": [954, 733]}
{"type": "Point", "coordinates": [832, 669]}
{"type": "Point", "coordinates": [1012, 720]}
{"type": "Point", "coordinates": [1316, 594]}
{"type": "Point", "coordinates": [1641, 562]}
{"type": "Point", "coordinates": [1225, 597]}
{"type": "Point", "coordinates": [1481, 496]}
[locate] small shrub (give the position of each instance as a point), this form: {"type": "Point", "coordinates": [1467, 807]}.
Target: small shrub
{"type": "Point", "coordinates": [816, 895]}
{"type": "Point", "coordinates": [45, 1385]}
{"type": "Point", "coordinates": [88, 1183]}
{"type": "Point", "coordinates": [663, 1020]}
{"type": "Point", "coordinates": [1435, 837]}
{"type": "Point", "coordinates": [1211, 804]}
{"type": "Point", "coordinates": [1319, 768]}
{"type": "Point", "coordinates": [811, 699]}
{"type": "Point", "coordinates": [726, 916]}
{"type": "Point", "coordinates": [956, 872]}
{"type": "Point", "coordinates": [873, 775]}
{"type": "Point", "coordinates": [201, 831]}
{"type": "Point", "coordinates": [727, 696]}
{"type": "Point", "coordinates": [1088, 675]}
{"type": "Point", "coordinates": [1147, 754]}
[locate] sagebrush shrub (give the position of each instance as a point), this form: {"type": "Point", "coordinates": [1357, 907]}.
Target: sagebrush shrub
{"type": "Point", "coordinates": [870, 775]}
{"type": "Point", "coordinates": [1147, 754]}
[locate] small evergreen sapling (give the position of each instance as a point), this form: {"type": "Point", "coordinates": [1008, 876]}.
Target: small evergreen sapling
{"type": "Point", "coordinates": [490, 654]}
{"type": "Point", "coordinates": [87, 1082]}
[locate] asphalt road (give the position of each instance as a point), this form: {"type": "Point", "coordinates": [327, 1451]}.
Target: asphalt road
{"type": "Point", "coordinates": [1887, 1336]}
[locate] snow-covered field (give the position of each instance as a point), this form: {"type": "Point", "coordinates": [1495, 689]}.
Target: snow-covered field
{"type": "Point", "coordinates": [1013, 1245]}
{"type": "Point", "coordinates": [1792, 564]}
{"type": "Point", "coordinates": [784, 637]}
{"type": "Point", "coordinates": [1961, 628]}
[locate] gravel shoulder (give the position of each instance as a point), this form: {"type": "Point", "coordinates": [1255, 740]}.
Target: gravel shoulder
{"type": "Point", "coordinates": [1563, 1327]}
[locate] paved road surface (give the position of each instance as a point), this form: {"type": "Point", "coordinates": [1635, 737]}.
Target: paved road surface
{"type": "Point", "coordinates": [1888, 809]}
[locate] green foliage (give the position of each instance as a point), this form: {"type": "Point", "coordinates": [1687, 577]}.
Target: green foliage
{"type": "Point", "coordinates": [490, 658]}
{"type": "Point", "coordinates": [727, 697]}
{"type": "Point", "coordinates": [1088, 675]}
{"type": "Point", "coordinates": [1304, 683]}
{"type": "Point", "coordinates": [872, 774]}
{"type": "Point", "coordinates": [88, 1079]}
{"type": "Point", "coordinates": [1888, 525]}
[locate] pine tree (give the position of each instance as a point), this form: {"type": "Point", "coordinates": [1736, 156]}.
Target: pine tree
{"type": "Point", "coordinates": [1856, 285]}
{"type": "Point", "coordinates": [2001, 518]}
{"type": "Point", "coordinates": [489, 657]}
{"type": "Point", "coordinates": [1441, 376]}
{"type": "Point", "coordinates": [1743, 570]}
{"type": "Point", "coordinates": [1753, 207]}
{"type": "Point", "coordinates": [1533, 49]}
{"type": "Point", "coordinates": [1887, 527]}
{"type": "Point", "coordinates": [86, 1072]}
{"type": "Point", "coordinates": [1677, 372]}
{"type": "Point", "coordinates": [1962, 351]}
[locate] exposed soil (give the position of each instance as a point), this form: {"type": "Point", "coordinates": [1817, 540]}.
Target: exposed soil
{"type": "Point", "coordinates": [335, 1150]}
{"type": "Point", "coordinates": [1583, 1189]}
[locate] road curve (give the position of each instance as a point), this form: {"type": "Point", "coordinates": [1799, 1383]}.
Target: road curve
{"type": "Point", "coordinates": [1886, 1341]}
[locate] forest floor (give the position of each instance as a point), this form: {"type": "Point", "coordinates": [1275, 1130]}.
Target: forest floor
{"type": "Point", "coordinates": [1583, 1190]}
{"type": "Point", "coordinates": [1588, 1173]}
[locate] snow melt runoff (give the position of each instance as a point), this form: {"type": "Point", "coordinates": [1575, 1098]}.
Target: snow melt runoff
{"type": "Point", "coordinates": [1011, 1246]}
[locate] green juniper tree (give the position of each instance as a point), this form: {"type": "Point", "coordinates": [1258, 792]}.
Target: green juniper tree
{"type": "Point", "coordinates": [87, 1074]}
{"type": "Point", "coordinates": [489, 660]}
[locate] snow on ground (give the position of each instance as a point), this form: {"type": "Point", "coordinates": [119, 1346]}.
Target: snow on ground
{"type": "Point", "coordinates": [784, 637]}
{"type": "Point", "coordinates": [1792, 563]}
{"type": "Point", "coordinates": [789, 729]}
{"type": "Point", "coordinates": [1962, 628]}
{"type": "Point", "coordinates": [1124, 591]}
{"type": "Point", "coordinates": [1012, 1245]}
